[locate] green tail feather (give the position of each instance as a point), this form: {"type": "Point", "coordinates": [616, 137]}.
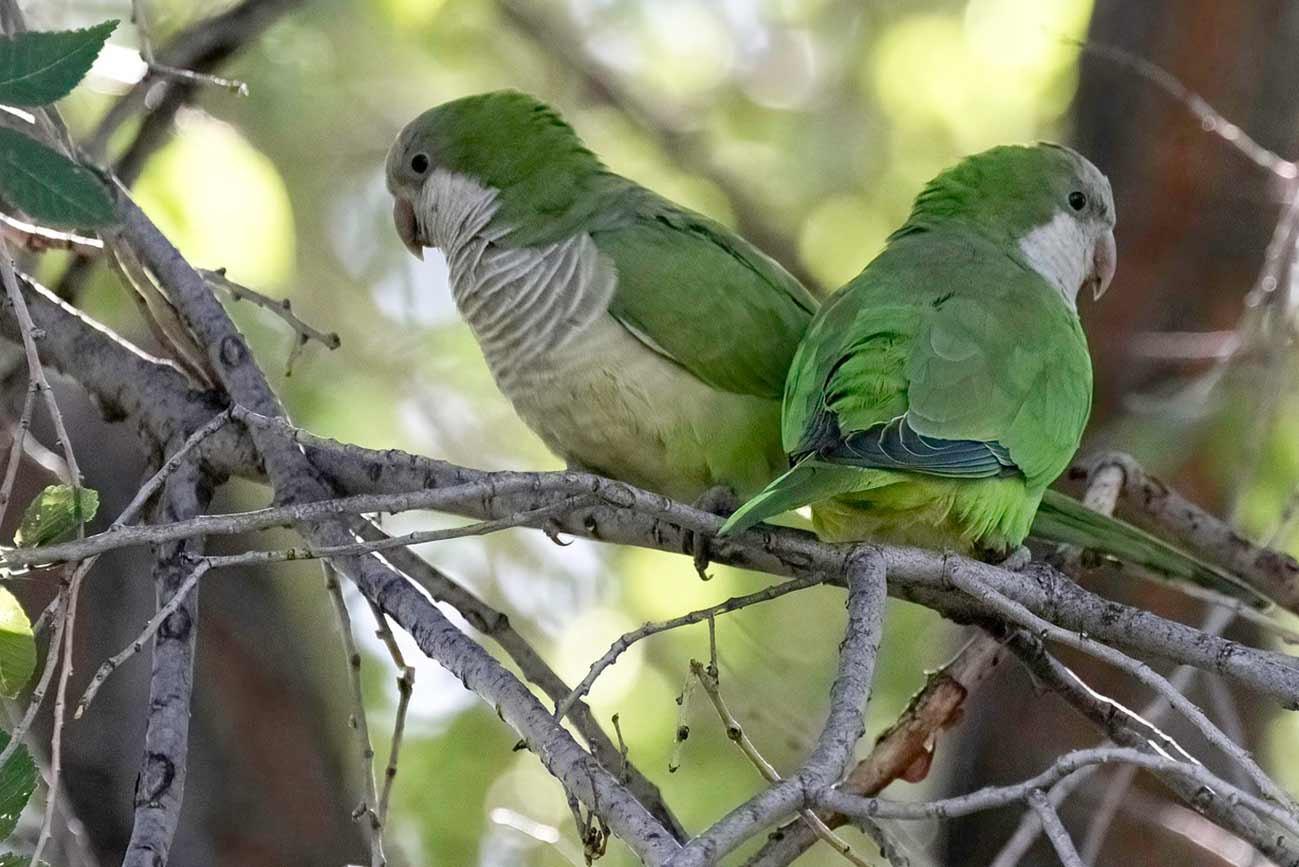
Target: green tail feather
{"type": "Point", "coordinates": [1063, 519]}
{"type": "Point", "coordinates": [808, 482]}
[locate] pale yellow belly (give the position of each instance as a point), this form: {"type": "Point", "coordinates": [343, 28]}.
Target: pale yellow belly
{"type": "Point", "coordinates": [622, 410]}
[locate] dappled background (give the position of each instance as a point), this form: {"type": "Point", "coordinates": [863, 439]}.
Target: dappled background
{"type": "Point", "coordinates": [808, 126]}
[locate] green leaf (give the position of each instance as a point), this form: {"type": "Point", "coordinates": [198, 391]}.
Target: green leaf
{"type": "Point", "coordinates": [48, 186]}
{"type": "Point", "coordinates": [17, 647]}
{"type": "Point", "coordinates": [37, 68]}
{"type": "Point", "coordinates": [53, 516]}
{"type": "Point", "coordinates": [17, 782]}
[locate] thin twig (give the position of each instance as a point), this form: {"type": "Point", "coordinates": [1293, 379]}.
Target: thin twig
{"type": "Point", "coordinates": [52, 655]}
{"type": "Point", "coordinates": [1210, 119]}
{"type": "Point", "coordinates": [37, 372]}
{"type": "Point", "coordinates": [1055, 829]}
{"type": "Point", "coordinates": [405, 688]}
{"type": "Point", "coordinates": [60, 716]}
{"type": "Point", "coordinates": [282, 308]}
{"type": "Point", "coordinates": [905, 749]}
{"type": "Point", "coordinates": [164, 611]}
{"type": "Point", "coordinates": [627, 639]}
{"type": "Point", "coordinates": [16, 447]}
{"type": "Point", "coordinates": [994, 797]}
{"type": "Point", "coordinates": [708, 679]}
{"type": "Point", "coordinates": [161, 69]}
{"type": "Point", "coordinates": [418, 537]}
{"type": "Point", "coordinates": [38, 239]}
{"type": "Point", "coordinates": [266, 518]}
{"type": "Point", "coordinates": [865, 573]}
{"type": "Point", "coordinates": [368, 808]}
{"type": "Point", "coordinates": [233, 85]}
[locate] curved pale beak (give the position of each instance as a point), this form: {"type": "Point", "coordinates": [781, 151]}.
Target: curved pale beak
{"type": "Point", "coordinates": [1105, 259]}
{"type": "Point", "coordinates": [403, 217]}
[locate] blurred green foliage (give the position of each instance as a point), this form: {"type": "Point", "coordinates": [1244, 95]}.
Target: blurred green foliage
{"type": "Point", "coordinates": [826, 115]}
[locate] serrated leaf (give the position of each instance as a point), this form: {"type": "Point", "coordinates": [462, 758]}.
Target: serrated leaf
{"type": "Point", "coordinates": [49, 187]}
{"type": "Point", "coordinates": [52, 516]}
{"type": "Point", "coordinates": [17, 782]}
{"type": "Point", "coordinates": [37, 68]}
{"type": "Point", "coordinates": [17, 647]}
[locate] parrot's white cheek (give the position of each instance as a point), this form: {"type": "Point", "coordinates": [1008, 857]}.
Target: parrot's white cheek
{"type": "Point", "coordinates": [1060, 251]}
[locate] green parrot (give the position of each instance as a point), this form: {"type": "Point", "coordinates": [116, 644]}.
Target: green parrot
{"type": "Point", "coordinates": [937, 395]}
{"type": "Point", "coordinates": [639, 339]}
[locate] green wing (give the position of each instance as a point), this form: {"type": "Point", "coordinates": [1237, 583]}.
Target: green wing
{"type": "Point", "coordinates": [704, 297]}
{"type": "Point", "coordinates": [947, 359]}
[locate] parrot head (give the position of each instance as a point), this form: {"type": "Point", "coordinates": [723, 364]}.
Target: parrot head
{"type": "Point", "coordinates": [1046, 203]}
{"type": "Point", "coordinates": [506, 142]}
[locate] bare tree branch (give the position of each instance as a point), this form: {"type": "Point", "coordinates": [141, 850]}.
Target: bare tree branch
{"type": "Point", "coordinates": [160, 786]}
{"type": "Point", "coordinates": [906, 744]}
{"type": "Point", "coordinates": [993, 797]}
{"type": "Point", "coordinates": [496, 625]}
{"type": "Point", "coordinates": [1133, 731]}
{"type": "Point", "coordinates": [1055, 829]}
{"type": "Point", "coordinates": [1151, 503]}
{"type": "Point", "coordinates": [865, 575]}
{"type": "Point", "coordinates": [295, 480]}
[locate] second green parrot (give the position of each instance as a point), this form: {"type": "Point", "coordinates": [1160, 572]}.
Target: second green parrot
{"type": "Point", "coordinates": [937, 395]}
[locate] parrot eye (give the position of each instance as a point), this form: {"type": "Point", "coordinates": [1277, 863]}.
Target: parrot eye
{"type": "Point", "coordinates": [1077, 200]}
{"type": "Point", "coordinates": [419, 163]}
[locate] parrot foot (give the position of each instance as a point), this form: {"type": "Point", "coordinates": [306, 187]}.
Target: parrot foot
{"type": "Point", "coordinates": [1016, 560]}
{"type": "Point", "coordinates": [721, 501]}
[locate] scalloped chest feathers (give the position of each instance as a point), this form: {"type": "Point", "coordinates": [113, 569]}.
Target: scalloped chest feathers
{"type": "Point", "coordinates": [527, 306]}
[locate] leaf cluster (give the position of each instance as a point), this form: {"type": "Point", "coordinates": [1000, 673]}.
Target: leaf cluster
{"type": "Point", "coordinates": [37, 69]}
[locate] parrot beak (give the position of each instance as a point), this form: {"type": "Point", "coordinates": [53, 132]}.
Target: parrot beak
{"type": "Point", "coordinates": [403, 216]}
{"type": "Point", "coordinates": [1104, 260]}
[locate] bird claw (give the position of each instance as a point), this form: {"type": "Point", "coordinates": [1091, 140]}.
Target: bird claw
{"type": "Point", "coordinates": [552, 529]}
{"type": "Point", "coordinates": [1016, 560]}
{"type": "Point", "coordinates": [721, 501]}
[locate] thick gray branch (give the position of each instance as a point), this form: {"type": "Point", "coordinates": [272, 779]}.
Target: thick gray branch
{"type": "Point", "coordinates": [496, 625]}
{"type": "Point", "coordinates": [651, 521]}
{"type": "Point", "coordinates": [161, 783]}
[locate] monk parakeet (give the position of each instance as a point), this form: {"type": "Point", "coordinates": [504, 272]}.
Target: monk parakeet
{"type": "Point", "coordinates": [639, 339]}
{"type": "Point", "coordinates": [937, 395]}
